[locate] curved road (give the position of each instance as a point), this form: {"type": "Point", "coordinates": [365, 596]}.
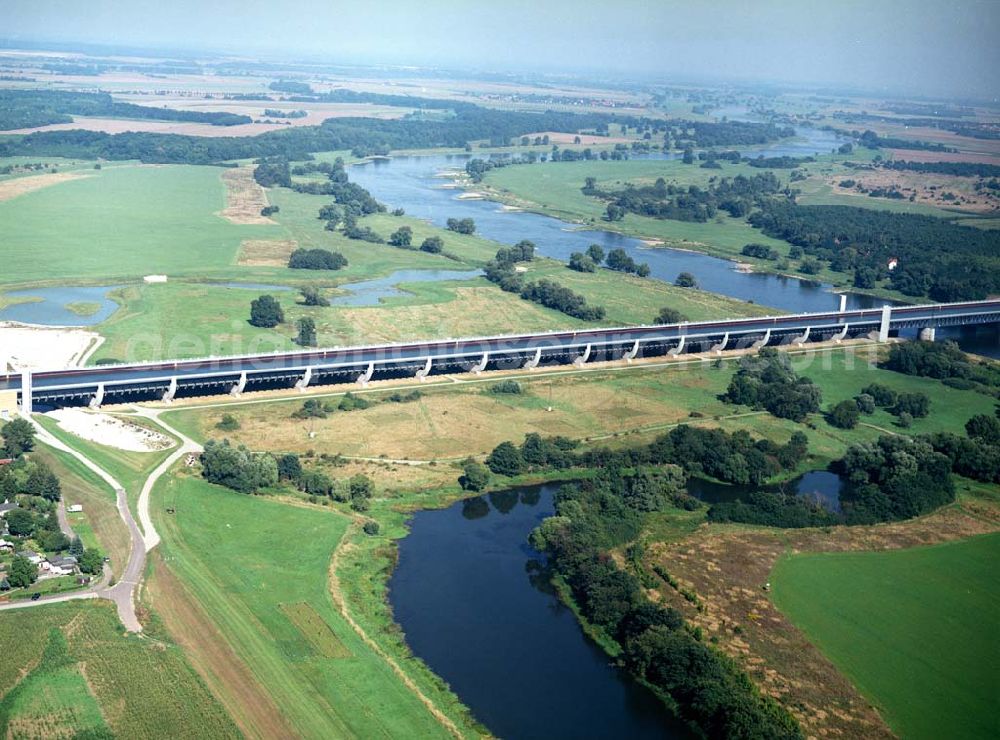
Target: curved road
{"type": "Point", "coordinates": [123, 593]}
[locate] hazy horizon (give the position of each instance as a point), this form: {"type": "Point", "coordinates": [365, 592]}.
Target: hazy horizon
{"type": "Point", "coordinates": [916, 46]}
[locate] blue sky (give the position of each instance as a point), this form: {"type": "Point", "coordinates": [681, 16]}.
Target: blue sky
{"type": "Point", "coordinates": [931, 46]}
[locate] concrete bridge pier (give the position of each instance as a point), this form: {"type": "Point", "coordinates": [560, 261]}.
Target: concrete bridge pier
{"type": "Point", "coordinates": [676, 350]}
{"type": "Point", "coordinates": [582, 359]}
{"type": "Point", "coordinates": [303, 382]}
{"type": "Point", "coordinates": [237, 389]}
{"type": "Point", "coordinates": [762, 342]}
{"type": "Point", "coordinates": [928, 333]}
{"type": "Point", "coordinates": [840, 335]}
{"type": "Point", "coordinates": [423, 372]}
{"type": "Point", "coordinates": [168, 395]}
{"type": "Point", "coordinates": [533, 362]}
{"type": "Point", "coordinates": [478, 368]}
{"type": "Point", "coordinates": [632, 353]}
{"type": "Point", "coordinates": [883, 328]}
{"type": "Point", "coordinates": [26, 403]}
{"type": "Point", "coordinates": [800, 340]}
{"type": "Point", "coordinates": [366, 375]}
{"type": "Point", "coordinates": [98, 399]}
{"type": "Point", "coordinates": [717, 348]}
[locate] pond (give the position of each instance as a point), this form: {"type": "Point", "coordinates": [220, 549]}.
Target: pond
{"type": "Point", "coordinates": [61, 306]}
{"type": "Point", "coordinates": [372, 292]}
{"type": "Point", "coordinates": [820, 486]}
{"type": "Point", "coordinates": [470, 597]}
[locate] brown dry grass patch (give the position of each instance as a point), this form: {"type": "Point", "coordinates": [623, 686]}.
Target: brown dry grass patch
{"type": "Point", "coordinates": [244, 197]}
{"type": "Point", "coordinates": [926, 188]}
{"type": "Point", "coordinates": [228, 677]}
{"type": "Point", "coordinates": [910, 155]}
{"type": "Point", "coordinates": [727, 567]}
{"type": "Point", "coordinates": [21, 185]}
{"type": "Point", "coordinates": [266, 252]}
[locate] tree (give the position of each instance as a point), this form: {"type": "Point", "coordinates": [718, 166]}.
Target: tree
{"type": "Point", "coordinates": [984, 428]}
{"type": "Point", "coordinates": [669, 315]}
{"type": "Point", "coordinates": [266, 312]}
{"type": "Point", "coordinates": [432, 245]}
{"type": "Point", "coordinates": [917, 405]}
{"type": "Point", "coordinates": [312, 295]}
{"type": "Point", "coordinates": [865, 403]}
{"type": "Point", "coordinates": [845, 414]}
{"type": "Point", "coordinates": [475, 476]}
{"type": "Point", "coordinates": [21, 522]}
{"type": "Point", "coordinates": [505, 460]}
{"type": "Point", "coordinates": [18, 437]}
{"type": "Point", "coordinates": [91, 561]}
{"type": "Point", "coordinates": [461, 225]}
{"type": "Point", "coordinates": [614, 212]}
{"type": "Point", "coordinates": [237, 467]}
{"type": "Point", "coordinates": [688, 155]}
{"type": "Point", "coordinates": [361, 486]}
{"type": "Point", "coordinates": [307, 332]}
{"type": "Point", "coordinates": [596, 253]}
{"type": "Point", "coordinates": [317, 483]}
{"type": "Point", "coordinates": [43, 482]}
{"type": "Point", "coordinates": [686, 280]}
{"type": "Point", "coordinates": [76, 547]}
{"type": "Point", "coordinates": [22, 572]}
{"type": "Point", "coordinates": [883, 395]}
{"type": "Point", "coordinates": [289, 467]}
{"type": "Point", "coordinates": [524, 251]}
{"type": "Point", "coordinates": [402, 237]}
{"type": "Point", "coordinates": [581, 263]}
{"type": "Point", "coordinates": [316, 259]}
{"type": "Point", "coordinates": [905, 420]}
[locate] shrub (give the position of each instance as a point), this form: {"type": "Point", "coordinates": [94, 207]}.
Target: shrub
{"type": "Point", "coordinates": [507, 387]}
{"type": "Point", "coordinates": [917, 405]}
{"type": "Point", "coordinates": [845, 414]}
{"type": "Point", "coordinates": [865, 403]}
{"type": "Point", "coordinates": [432, 245]}
{"type": "Point", "coordinates": [266, 312]}
{"type": "Point", "coordinates": [883, 395]}
{"type": "Point", "coordinates": [475, 476]}
{"type": "Point", "coordinates": [228, 423]}
{"type": "Point", "coordinates": [505, 460]}
{"type": "Point", "coordinates": [316, 259]}
{"type": "Point", "coordinates": [371, 527]}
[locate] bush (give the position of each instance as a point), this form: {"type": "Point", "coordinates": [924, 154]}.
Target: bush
{"type": "Point", "coordinates": [883, 395]}
{"type": "Point", "coordinates": [845, 414]}
{"type": "Point", "coordinates": [461, 225]}
{"type": "Point", "coordinates": [402, 237]}
{"type": "Point", "coordinates": [505, 460]}
{"type": "Point", "coordinates": [917, 405]}
{"type": "Point", "coordinates": [237, 467]}
{"type": "Point", "coordinates": [228, 423]}
{"type": "Point", "coordinates": [865, 403]}
{"type": "Point", "coordinates": [266, 312]}
{"type": "Point", "coordinates": [686, 280]}
{"type": "Point", "coordinates": [669, 316]}
{"type": "Point", "coordinates": [432, 245]}
{"type": "Point", "coordinates": [312, 408]}
{"type": "Point", "coordinates": [475, 476]}
{"type": "Point", "coordinates": [581, 263]}
{"type": "Point", "coordinates": [905, 420]}
{"type": "Point", "coordinates": [511, 387]}
{"type": "Point", "coordinates": [316, 259]}
{"type": "Point", "coordinates": [371, 527]}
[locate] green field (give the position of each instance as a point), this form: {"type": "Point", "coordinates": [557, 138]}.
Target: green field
{"type": "Point", "coordinates": [913, 629]}
{"type": "Point", "coordinates": [258, 568]}
{"type": "Point", "coordinates": [67, 669]}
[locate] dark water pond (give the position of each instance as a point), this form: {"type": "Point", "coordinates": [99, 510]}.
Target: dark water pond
{"type": "Point", "coordinates": [474, 607]}
{"type": "Point", "coordinates": [50, 306]}
{"type": "Point", "coordinates": [820, 486]}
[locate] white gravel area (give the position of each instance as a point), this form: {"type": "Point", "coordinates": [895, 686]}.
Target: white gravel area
{"type": "Point", "coordinates": [45, 349]}
{"type": "Point", "coordinates": [112, 431]}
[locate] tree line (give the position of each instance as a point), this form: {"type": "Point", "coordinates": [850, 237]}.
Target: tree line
{"type": "Point", "coordinates": [31, 108]}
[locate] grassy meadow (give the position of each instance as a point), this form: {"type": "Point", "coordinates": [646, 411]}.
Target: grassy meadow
{"type": "Point", "coordinates": [258, 569]}
{"type": "Point", "coordinates": [911, 628]}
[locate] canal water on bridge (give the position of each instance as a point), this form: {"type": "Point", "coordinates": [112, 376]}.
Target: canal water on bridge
{"type": "Point", "coordinates": [469, 596]}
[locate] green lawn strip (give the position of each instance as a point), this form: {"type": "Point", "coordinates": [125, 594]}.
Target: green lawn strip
{"type": "Point", "coordinates": [69, 668]}
{"type": "Point", "coordinates": [246, 560]}
{"type": "Point", "coordinates": [912, 628]}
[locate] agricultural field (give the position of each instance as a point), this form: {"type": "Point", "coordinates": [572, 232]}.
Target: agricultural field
{"type": "Point", "coordinates": [273, 608]}
{"type": "Point", "coordinates": [911, 628]}
{"type": "Point", "coordinates": [68, 670]}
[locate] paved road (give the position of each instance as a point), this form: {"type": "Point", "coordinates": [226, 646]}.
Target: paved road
{"type": "Point", "coordinates": [123, 592]}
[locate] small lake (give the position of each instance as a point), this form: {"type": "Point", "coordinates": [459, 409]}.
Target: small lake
{"type": "Point", "coordinates": [52, 306]}
{"type": "Point", "coordinates": [820, 486]}
{"type": "Point", "coordinates": [372, 292]}
{"type": "Point", "coordinates": [470, 597]}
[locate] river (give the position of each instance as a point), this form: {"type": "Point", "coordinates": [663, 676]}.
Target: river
{"type": "Point", "coordinates": [414, 183]}
{"type": "Point", "coordinates": [469, 595]}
